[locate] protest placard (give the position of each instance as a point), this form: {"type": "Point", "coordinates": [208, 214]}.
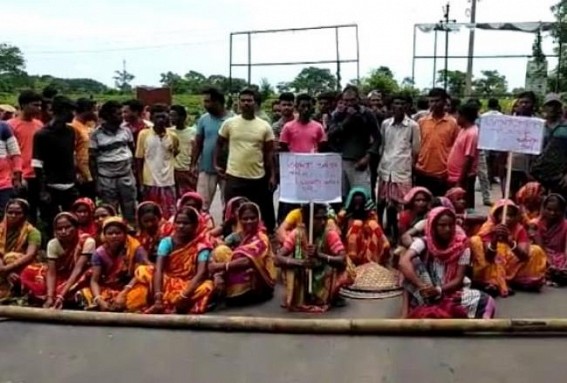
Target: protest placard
{"type": "Point", "coordinates": [511, 134]}
{"type": "Point", "coordinates": [308, 178]}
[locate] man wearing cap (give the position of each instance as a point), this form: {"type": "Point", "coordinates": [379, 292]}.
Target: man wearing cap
{"type": "Point", "coordinates": [7, 112]}
{"type": "Point", "coordinates": [550, 167]}
{"type": "Point", "coordinates": [53, 160]}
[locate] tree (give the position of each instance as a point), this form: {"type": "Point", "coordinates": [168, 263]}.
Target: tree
{"type": "Point", "coordinates": [122, 80]}
{"type": "Point", "coordinates": [266, 89]}
{"type": "Point", "coordinates": [195, 81]}
{"type": "Point", "coordinates": [407, 88]}
{"type": "Point", "coordinates": [175, 82]}
{"type": "Point", "coordinates": [456, 81]}
{"type": "Point", "coordinates": [559, 33]}
{"type": "Point", "coordinates": [314, 80]}
{"type": "Point", "coordinates": [11, 60]}
{"type": "Point", "coordinates": [381, 79]}
{"type": "Point", "coordinates": [490, 84]}
{"type": "Point", "coordinates": [283, 87]}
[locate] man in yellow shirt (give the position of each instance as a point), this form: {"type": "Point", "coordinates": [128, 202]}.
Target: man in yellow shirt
{"type": "Point", "coordinates": [250, 168]}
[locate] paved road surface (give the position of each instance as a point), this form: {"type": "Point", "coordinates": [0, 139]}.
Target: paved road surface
{"type": "Point", "coordinates": [31, 353]}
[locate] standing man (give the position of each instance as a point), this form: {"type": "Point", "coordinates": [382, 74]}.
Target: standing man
{"type": "Point", "coordinates": [462, 164]}
{"type": "Point", "coordinates": [112, 161]}
{"type": "Point", "coordinates": [85, 117]}
{"type": "Point", "coordinates": [133, 116]}
{"type": "Point", "coordinates": [155, 152]}
{"type": "Point", "coordinates": [203, 158]}
{"type": "Point", "coordinates": [250, 168]}
{"type": "Point", "coordinates": [400, 148]}
{"type": "Point", "coordinates": [286, 102]}
{"type": "Point", "coordinates": [53, 161]}
{"type": "Point", "coordinates": [276, 111]}
{"type": "Point", "coordinates": [24, 127]}
{"type": "Point", "coordinates": [325, 106]}
{"type": "Point", "coordinates": [355, 134]}
{"type": "Point", "coordinates": [438, 133]}
{"type": "Point", "coordinates": [185, 179]}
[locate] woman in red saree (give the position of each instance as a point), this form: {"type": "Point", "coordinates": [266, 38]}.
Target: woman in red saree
{"type": "Point", "coordinates": [417, 203]}
{"type": "Point", "coordinates": [230, 221]}
{"type": "Point", "coordinates": [551, 235]}
{"type": "Point", "coordinates": [152, 227]}
{"type": "Point", "coordinates": [466, 218]}
{"type": "Point", "coordinates": [101, 213]}
{"type": "Point", "coordinates": [194, 200]}
{"type": "Point", "coordinates": [243, 267]}
{"type": "Point", "coordinates": [503, 256]}
{"type": "Point", "coordinates": [19, 244]}
{"type": "Point", "coordinates": [434, 272]}
{"type": "Point", "coordinates": [112, 284]}
{"type": "Point", "coordinates": [84, 209]}
{"type": "Point", "coordinates": [326, 258]}
{"type": "Point", "coordinates": [68, 254]}
{"type": "Point", "coordinates": [179, 280]}
{"type": "Point", "coordinates": [529, 199]}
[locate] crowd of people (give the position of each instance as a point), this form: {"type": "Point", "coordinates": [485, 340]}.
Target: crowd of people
{"type": "Point", "coordinates": [108, 207]}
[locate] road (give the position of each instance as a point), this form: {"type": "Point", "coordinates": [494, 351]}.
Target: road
{"type": "Point", "coordinates": [49, 353]}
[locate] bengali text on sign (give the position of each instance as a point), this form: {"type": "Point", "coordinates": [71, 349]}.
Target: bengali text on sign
{"type": "Point", "coordinates": [511, 134]}
{"type": "Point", "coordinates": [310, 177]}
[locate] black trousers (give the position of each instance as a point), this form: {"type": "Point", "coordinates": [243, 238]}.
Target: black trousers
{"type": "Point", "coordinates": [437, 186]}
{"type": "Point", "coordinates": [257, 191]}
{"type": "Point", "coordinates": [61, 200]}
{"type": "Point", "coordinates": [31, 194]}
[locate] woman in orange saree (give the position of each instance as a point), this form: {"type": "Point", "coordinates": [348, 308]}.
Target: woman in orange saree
{"type": "Point", "coordinates": [84, 209]}
{"type": "Point", "coordinates": [19, 244]}
{"type": "Point", "coordinates": [230, 221]}
{"type": "Point", "coordinates": [194, 200]}
{"type": "Point", "coordinates": [152, 227]}
{"type": "Point", "coordinates": [326, 258]}
{"type": "Point", "coordinates": [364, 238]}
{"type": "Point", "coordinates": [529, 199]}
{"type": "Point", "coordinates": [243, 267]}
{"type": "Point", "coordinates": [113, 266]}
{"type": "Point", "coordinates": [68, 255]}
{"type": "Point", "coordinates": [179, 280]}
{"type": "Point", "coordinates": [503, 256]}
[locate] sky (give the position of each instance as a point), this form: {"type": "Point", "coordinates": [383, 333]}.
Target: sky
{"type": "Point", "coordinates": [92, 39]}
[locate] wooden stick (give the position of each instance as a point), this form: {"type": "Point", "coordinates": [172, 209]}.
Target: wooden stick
{"type": "Point", "coordinates": [345, 326]}
{"type": "Point", "coordinates": [310, 272]}
{"type": "Point", "coordinates": [507, 186]}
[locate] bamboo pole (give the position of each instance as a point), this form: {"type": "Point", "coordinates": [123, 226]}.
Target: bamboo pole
{"type": "Point", "coordinates": [430, 327]}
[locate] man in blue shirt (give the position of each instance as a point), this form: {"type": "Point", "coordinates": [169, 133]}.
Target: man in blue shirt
{"type": "Point", "coordinates": [205, 142]}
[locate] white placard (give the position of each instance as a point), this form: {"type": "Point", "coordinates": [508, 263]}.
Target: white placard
{"type": "Point", "coordinates": [310, 177]}
{"type": "Point", "coordinates": [511, 134]}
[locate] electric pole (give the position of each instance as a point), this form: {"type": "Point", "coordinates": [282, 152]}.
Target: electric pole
{"type": "Point", "coordinates": [472, 11]}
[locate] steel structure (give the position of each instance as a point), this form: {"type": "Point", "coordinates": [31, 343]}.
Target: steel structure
{"type": "Point", "coordinates": [338, 60]}
{"type": "Point", "coordinates": [533, 28]}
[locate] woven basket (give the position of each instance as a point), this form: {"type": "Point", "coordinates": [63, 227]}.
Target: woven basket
{"type": "Point", "coordinates": [373, 282]}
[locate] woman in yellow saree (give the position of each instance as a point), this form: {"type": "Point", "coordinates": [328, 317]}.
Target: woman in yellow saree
{"type": "Point", "coordinates": [179, 280]}
{"type": "Point", "coordinates": [330, 268]}
{"type": "Point", "coordinates": [243, 267]}
{"type": "Point", "coordinates": [68, 254]}
{"type": "Point", "coordinates": [365, 240]}
{"type": "Point", "coordinates": [503, 256]}
{"type": "Point", "coordinates": [113, 265]}
{"type": "Point", "coordinates": [19, 244]}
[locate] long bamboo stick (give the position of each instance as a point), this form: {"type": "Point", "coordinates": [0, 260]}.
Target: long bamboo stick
{"type": "Point", "coordinates": [289, 325]}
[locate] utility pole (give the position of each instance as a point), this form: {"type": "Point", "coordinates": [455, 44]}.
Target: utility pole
{"type": "Point", "coordinates": [472, 11]}
{"type": "Point", "coordinates": [445, 26]}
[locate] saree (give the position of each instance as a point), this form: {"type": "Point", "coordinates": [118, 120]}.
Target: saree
{"type": "Point", "coordinates": [90, 228]}
{"type": "Point", "coordinates": [207, 219]}
{"type": "Point", "coordinates": [553, 239]}
{"type": "Point", "coordinates": [436, 266]}
{"type": "Point", "coordinates": [365, 240]}
{"type": "Point", "coordinates": [34, 276]}
{"type": "Point", "coordinates": [257, 281]}
{"type": "Point", "coordinates": [117, 273]}
{"type": "Point", "coordinates": [179, 268]}
{"type": "Point", "coordinates": [150, 242]}
{"type": "Point", "coordinates": [407, 217]}
{"type": "Point", "coordinates": [506, 268]}
{"type": "Point", "coordinates": [529, 199]}
{"type": "Point", "coordinates": [326, 280]}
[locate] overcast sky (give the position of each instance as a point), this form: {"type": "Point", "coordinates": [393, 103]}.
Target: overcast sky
{"type": "Point", "coordinates": [70, 38]}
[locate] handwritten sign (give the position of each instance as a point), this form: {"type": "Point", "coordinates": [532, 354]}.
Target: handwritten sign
{"type": "Point", "coordinates": [511, 134]}
{"type": "Point", "coordinates": [310, 177]}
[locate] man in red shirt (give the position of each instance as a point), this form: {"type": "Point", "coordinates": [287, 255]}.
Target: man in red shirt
{"type": "Point", "coordinates": [24, 127]}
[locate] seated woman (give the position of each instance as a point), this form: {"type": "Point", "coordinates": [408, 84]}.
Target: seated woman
{"type": "Point", "coordinates": [325, 261]}
{"type": "Point", "coordinates": [179, 279]}
{"type": "Point", "coordinates": [364, 238]}
{"type": "Point", "coordinates": [101, 213]}
{"type": "Point", "coordinates": [529, 199]}
{"type": "Point", "coordinates": [551, 235]}
{"type": "Point", "coordinates": [19, 244]}
{"type": "Point", "coordinates": [230, 222]}
{"type": "Point", "coordinates": [68, 256]}
{"type": "Point", "coordinates": [243, 268]}
{"type": "Point", "coordinates": [84, 209]}
{"type": "Point", "coordinates": [434, 272]}
{"type": "Point", "coordinates": [417, 203]}
{"type": "Point", "coordinates": [295, 218]}
{"type": "Point", "coordinates": [466, 218]}
{"type": "Point", "coordinates": [152, 227]}
{"type": "Point", "coordinates": [113, 267]}
{"type": "Point", "coordinates": [503, 256]}
{"type": "Point", "coordinates": [194, 200]}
